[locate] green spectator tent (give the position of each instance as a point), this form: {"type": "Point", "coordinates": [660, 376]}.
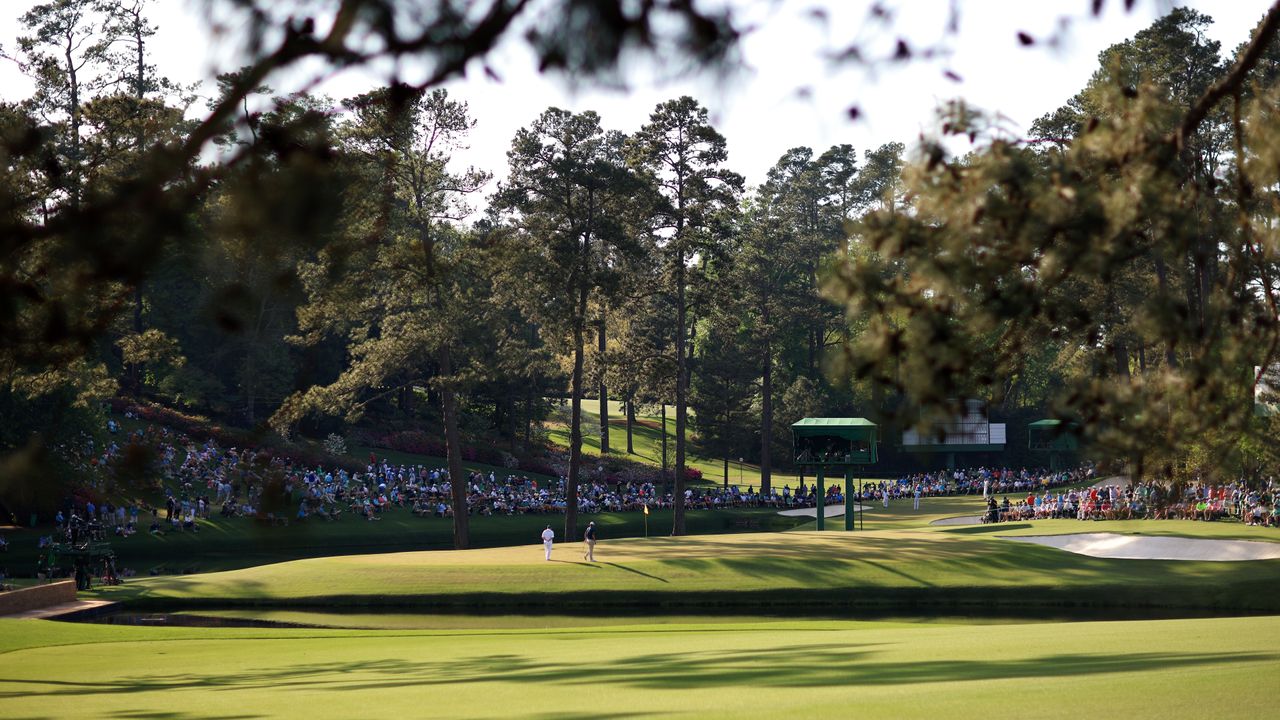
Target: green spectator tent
{"type": "Point", "coordinates": [1054, 437]}
{"type": "Point", "coordinates": [834, 442]}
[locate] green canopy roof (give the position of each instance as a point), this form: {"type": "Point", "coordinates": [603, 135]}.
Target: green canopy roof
{"type": "Point", "coordinates": [849, 428]}
{"type": "Point", "coordinates": [1053, 435]}
{"type": "Point", "coordinates": [826, 422]}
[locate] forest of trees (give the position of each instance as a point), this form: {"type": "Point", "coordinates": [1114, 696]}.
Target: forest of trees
{"type": "Point", "coordinates": [297, 264]}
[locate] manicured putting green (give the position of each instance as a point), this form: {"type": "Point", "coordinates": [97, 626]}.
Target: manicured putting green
{"type": "Point", "coordinates": [927, 566]}
{"type": "Point", "coordinates": [1154, 669]}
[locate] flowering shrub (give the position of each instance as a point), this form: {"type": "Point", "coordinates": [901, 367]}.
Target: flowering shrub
{"type": "Point", "coordinates": [199, 428]}
{"type": "Point", "coordinates": [335, 445]}
{"type": "Point", "coordinates": [417, 442]}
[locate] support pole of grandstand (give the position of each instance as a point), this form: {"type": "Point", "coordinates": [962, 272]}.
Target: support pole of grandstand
{"type": "Point", "coordinates": [817, 486]}
{"type": "Point", "coordinates": [848, 498]}
{"type": "Point", "coordinates": [837, 443]}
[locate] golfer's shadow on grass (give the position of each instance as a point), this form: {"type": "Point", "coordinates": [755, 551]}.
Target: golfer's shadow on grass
{"type": "Point", "coordinates": [597, 566]}
{"type": "Point", "coordinates": [583, 563]}
{"type": "Point", "coordinates": [637, 572]}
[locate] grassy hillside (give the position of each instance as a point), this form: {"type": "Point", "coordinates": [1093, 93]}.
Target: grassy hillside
{"type": "Point", "coordinates": [223, 544]}
{"type": "Point", "coordinates": [911, 565]}
{"type": "Point", "coordinates": [647, 443]}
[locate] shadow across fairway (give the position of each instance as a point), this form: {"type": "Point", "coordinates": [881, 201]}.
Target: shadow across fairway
{"type": "Point", "coordinates": [807, 666]}
{"type": "Point", "coordinates": [582, 716]}
{"type": "Point", "coordinates": [174, 715]}
{"type": "Point", "coordinates": [979, 529]}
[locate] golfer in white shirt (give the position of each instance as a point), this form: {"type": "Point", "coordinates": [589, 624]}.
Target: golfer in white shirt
{"type": "Point", "coordinates": [548, 536]}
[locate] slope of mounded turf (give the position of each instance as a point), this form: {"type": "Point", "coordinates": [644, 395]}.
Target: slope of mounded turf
{"type": "Point", "coordinates": [646, 437]}
{"type": "Point", "coordinates": [925, 567]}
{"type": "Point", "coordinates": [1154, 669]}
{"type": "Point", "coordinates": [230, 543]}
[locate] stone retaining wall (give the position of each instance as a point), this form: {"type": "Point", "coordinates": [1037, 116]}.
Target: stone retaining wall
{"type": "Point", "coordinates": [40, 596]}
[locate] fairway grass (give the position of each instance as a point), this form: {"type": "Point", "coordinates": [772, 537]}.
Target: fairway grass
{"type": "Point", "coordinates": [772, 669]}
{"type": "Point", "coordinates": [930, 568]}
{"type": "Point", "coordinates": [686, 639]}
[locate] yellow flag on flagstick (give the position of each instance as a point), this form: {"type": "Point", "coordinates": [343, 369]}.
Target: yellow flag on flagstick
{"type": "Point", "coordinates": [646, 509]}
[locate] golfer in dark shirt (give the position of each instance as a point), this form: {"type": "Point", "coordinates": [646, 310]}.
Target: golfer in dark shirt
{"type": "Point", "coordinates": [589, 537]}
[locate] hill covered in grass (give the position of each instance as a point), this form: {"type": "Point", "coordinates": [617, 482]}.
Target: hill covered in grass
{"type": "Point", "coordinates": [920, 566]}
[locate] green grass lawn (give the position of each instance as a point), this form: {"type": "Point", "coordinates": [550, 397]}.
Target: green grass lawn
{"type": "Point", "coordinates": [1167, 669]}
{"type": "Point", "coordinates": [900, 560]}
{"type": "Point", "coordinates": [647, 443]}
{"type": "Point", "coordinates": [688, 646]}
{"type": "Point", "coordinates": [223, 543]}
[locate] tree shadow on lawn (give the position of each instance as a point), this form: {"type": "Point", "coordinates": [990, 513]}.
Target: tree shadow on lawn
{"type": "Point", "coordinates": [809, 666]}
{"type": "Point", "coordinates": [991, 528]}
{"type": "Point", "coordinates": [581, 716]}
{"type": "Point", "coordinates": [831, 573]}
{"type": "Point", "coordinates": [174, 715]}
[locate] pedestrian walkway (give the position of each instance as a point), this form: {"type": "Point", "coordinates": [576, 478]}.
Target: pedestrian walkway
{"type": "Point", "coordinates": [53, 612]}
{"type": "Point", "coordinates": [829, 511]}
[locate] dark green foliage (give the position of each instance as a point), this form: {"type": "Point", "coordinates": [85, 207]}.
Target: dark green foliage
{"type": "Point", "coordinates": [311, 263]}
{"type": "Point", "coordinates": [1118, 251]}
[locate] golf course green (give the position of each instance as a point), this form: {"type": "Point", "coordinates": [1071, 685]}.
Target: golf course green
{"type": "Point", "coordinates": [744, 625]}
{"type": "Point", "coordinates": [1167, 669]}
{"type": "Point", "coordinates": [901, 559]}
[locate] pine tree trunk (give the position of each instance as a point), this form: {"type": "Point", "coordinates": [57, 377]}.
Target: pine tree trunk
{"type": "Point", "coordinates": [575, 422]}
{"type": "Point", "coordinates": [664, 443]}
{"type": "Point", "coordinates": [766, 421]}
{"type": "Point", "coordinates": [529, 395]}
{"type": "Point", "coordinates": [457, 476]}
{"type": "Point", "coordinates": [1162, 280]}
{"type": "Point", "coordinates": [631, 418]}
{"type": "Point", "coordinates": [604, 393]}
{"type": "Point", "coordinates": [682, 368]}
{"type": "Point", "coordinates": [137, 371]}
{"type": "Point", "coordinates": [73, 127]}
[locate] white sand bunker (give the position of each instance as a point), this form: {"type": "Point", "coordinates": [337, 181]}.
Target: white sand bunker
{"type": "Point", "coordinates": [831, 511]}
{"type": "Point", "coordinates": [1141, 547]}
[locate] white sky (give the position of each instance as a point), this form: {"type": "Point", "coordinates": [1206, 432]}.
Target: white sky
{"type": "Point", "coordinates": [762, 110]}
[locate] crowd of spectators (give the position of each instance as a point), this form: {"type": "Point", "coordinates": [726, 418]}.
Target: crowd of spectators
{"type": "Point", "coordinates": [1258, 505]}
{"type": "Point", "coordinates": [197, 479]}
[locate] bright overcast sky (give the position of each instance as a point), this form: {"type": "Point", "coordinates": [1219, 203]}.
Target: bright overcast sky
{"type": "Point", "coordinates": [765, 110]}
